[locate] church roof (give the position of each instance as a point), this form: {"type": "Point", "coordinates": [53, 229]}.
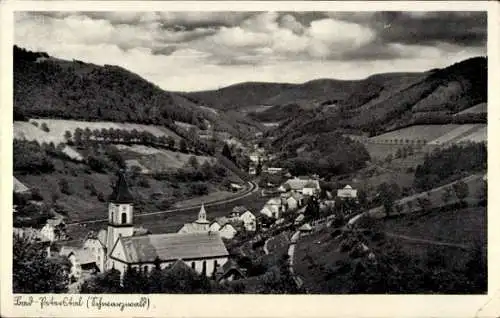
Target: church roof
{"type": "Point", "coordinates": [172, 246]}
{"type": "Point", "coordinates": [121, 192]}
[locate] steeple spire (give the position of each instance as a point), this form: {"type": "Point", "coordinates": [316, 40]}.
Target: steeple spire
{"type": "Point", "coordinates": [202, 215]}
{"type": "Point", "coordinates": [121, 192]}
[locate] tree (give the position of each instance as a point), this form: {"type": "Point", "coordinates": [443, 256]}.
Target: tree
{"type": "Point", "coordinates": [362, 198]}
{"type": "Point", "coordinates": [226, 152]}
{"type": "Point", "coordinates": [461, 190]}
{"type": "Point", "coordinates": [33, 272]}
{"type": "Point", "coordinates": [446, 195]}
{"type": "Point", "coordinates": [312, 209]}
{"type": "Point", "coordinates": [67, 136]}
{"type": "Point", "coordinates": [170, 141]}
{"type": "Point", "coordinates": [387, 194]}
{"type": "Point", "coordinates": [424, 203]}
{"type": "Point", "coordinates": [44, 127]}
{"type": "Point", "coordinates": [65, 188]}
{"type": "Point", "coordinates": [183, 146]}
{"type": "Point", "coordinates": [78, 136]}
{"type": "Point", "coordinates": [193, 162]}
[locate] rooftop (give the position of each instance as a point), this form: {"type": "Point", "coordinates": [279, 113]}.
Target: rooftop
{"type": "Point", "coordinates": [173, 246]}
{"type": "Point", "coordinates": [121, 192]}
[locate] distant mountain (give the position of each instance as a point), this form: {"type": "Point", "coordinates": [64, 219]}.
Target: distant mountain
{"type": "Point", "coordinates": [53, 88]}
{"type": "Point", "coordinates": [390, 101]}
{"type": "Point", "coordinates": [376, 104]}
{"type": "Point", "coordinates": [238, 96]}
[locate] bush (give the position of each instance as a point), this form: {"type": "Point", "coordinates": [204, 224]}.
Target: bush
{"type": "Point", "coordinates": [65, 188]}
{"type": "Point", "coordinates": [44, 127]}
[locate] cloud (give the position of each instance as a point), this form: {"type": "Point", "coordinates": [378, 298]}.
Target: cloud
{"type": "Point", "coordinates": [172, 48]}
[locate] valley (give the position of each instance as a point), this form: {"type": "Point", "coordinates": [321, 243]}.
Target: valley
{"type": "Point", "coordinates": [409, 149]}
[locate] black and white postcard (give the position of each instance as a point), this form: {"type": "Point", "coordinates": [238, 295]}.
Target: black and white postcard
{"type": "Point", "coordinates": [213, 159]}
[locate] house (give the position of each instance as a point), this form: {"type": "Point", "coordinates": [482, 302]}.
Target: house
{"type": "Point", "coordinates": [214, 226]}
{"type": "Point", "coordinates": [311, 188]}
{"type": "Point", "coordinates": [227, 231]}
{"type": "Point", "coordinates": [53, 230]}
{"type": "Point", "coordinates": [274, 170]}
{"type": "Point", "coordinates": [19, 187]}
{"type": "Point", "coordinates": [200, 225]}
{"type": "Point", "coordinates": [249, 221]}
{"type": "Point", "coordinates": [299, 219]}
{"type": "Point", "coordinates": [294, 200]}
{"type": "Point", "coordinates": [326, 204]}
{"type": "Point", "coordinates": [236, 187]}
{"type": "Point", "coordinates": [305, 229]}
{"type": "Point", "coordinates": [82, 261]}
{"type": "Point", "coordinates": [347, 192]}
{"type": "Point", "coordinates": [273, 208]}
{"type": "Point", "coordinates": [229, 272]}
{"type": "Point", "coordinates": [202, 251]}
{"type": "Point", "coordinates": [304, 186]}
{"type": "Point", "coordinates": [237, 211]}
{"type": "Point", "coordinates": [252, 171]}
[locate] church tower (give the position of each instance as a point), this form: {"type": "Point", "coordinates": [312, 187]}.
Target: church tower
{"type": "Point", "coordinates": [120, 212]}
{"type": "Point", "coordinates": [202, 216]}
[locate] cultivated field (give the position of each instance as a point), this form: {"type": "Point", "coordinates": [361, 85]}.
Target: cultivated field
{"type": "Point", "coordinates": [467, 132]}
{"type": "Point", "coordinates": [479, 108]}
{"type": "Point", "coordinates": [414, 133]}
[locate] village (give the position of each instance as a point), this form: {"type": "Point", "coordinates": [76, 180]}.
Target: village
{"type": "Point", "coordinates": [203, 245]}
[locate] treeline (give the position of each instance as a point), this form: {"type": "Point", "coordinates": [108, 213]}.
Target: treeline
{"type": "Point", "coordinates": [179, 279]}
{"type": "Point", "coordinates": [449, 164]}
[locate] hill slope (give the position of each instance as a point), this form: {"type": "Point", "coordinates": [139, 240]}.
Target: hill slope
{"type": "Point", "coordinates": [48, 87]}
{"type": "Point", "coordinates": [387, 102]}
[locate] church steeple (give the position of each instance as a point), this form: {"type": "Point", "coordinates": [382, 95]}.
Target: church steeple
{"type": "Point", "coordinates": [202, 215]}
{"type": "Point", "coordinates": [121, 192]}
{"type": "Point", "coordinates": [120, 212]}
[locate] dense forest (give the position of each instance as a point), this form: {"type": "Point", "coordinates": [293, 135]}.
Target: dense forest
{"type": "Point", "coordinates": [325, 154]}
{"type": "Point", "coordinates": [52, 88]}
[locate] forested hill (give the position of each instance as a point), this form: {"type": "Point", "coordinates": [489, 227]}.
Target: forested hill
{"type": "Point", "coordinates": [390, 101]}
{"type": "Point", "coordinates": [49, 87]}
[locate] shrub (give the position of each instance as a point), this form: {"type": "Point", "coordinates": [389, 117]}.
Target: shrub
{"type": "Point", "coordinates": [44, 127]}
{"type": "Point", "coordinates": [65, 188]}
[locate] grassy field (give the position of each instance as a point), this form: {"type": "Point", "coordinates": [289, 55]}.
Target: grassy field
{"type": "Point", "coordinates": [462, 226]}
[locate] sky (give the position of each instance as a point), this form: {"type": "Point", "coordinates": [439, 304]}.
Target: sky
{"type": "Point", "coordinates": [192, 51]}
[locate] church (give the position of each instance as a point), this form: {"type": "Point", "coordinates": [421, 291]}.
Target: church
{"type": "Point", "coordinates": [121, 244]}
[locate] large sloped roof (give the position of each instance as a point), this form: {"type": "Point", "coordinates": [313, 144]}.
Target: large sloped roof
{"type": "Point", "coordinates": [121, 192]}
{"type": "Point", "coordinates": [173, 246]}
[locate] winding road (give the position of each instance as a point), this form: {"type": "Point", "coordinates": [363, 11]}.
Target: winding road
{"type": "Point", "coordinates": [253, 187]}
